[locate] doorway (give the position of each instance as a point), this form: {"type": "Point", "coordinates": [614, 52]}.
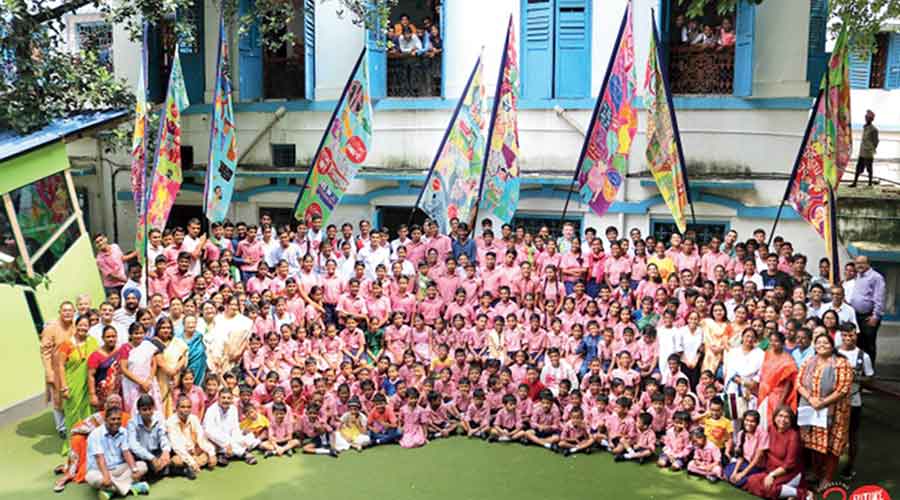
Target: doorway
{"type": "Point", "coordinates": [390, 218]}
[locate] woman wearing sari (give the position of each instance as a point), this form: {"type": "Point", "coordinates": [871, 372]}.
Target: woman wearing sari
{"type": "Point", "coordinates": [777, 377]}
{"type": "Point", "coordinates": [170, 360]}
{"type": "Point", "coordinates": [140, 371]}
{"type": "Point", "coordinates": [227, 337]}
{"type": "Point", "coordinates": [72, 373]}
{"type": "Point", "coordinates": [75, 467]}
{"type": "Point", "coordinates": [103, 368]}
{"type": "Point", "coordinates": [737, 326]}
{"type": "Point", "coordinates": [824, 381]}
{"type": "Point", "coordinates": [196, 353]}
{"type": "Point", "coordinates": [715, 337]}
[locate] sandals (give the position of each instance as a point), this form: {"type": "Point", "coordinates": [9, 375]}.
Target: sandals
{"type": "Point", "coordinates": [250, 459]}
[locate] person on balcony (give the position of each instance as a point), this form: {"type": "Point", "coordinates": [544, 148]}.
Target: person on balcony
{"type": "Point", "coordinates": [409, 43]}
{"type": "Point", "coordinates": [726, 34]}
{"type": "Point", "coordinates": [867, 148]}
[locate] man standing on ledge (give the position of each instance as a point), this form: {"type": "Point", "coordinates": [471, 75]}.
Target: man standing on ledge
{"type": "Point", "coordinates": [868, 302]}
{"type": "Point", "coordinates": [867, 150]}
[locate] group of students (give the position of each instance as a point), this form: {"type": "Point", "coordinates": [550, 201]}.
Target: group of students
{"type": "Point", "coordinates": [323, 340]}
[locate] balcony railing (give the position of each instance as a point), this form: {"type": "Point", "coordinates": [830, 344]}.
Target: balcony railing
{"type": "Point", "coordinates": [413, 76]}
{"type": "Point", "coordinates": [696, 69]}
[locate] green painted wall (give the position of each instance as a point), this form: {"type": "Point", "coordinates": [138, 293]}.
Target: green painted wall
{"type": "Point", "coordinates": [29, 167]}
{"type": "Point", "coordinates": [74, 274]}
{"type": "Point", "coordinates": [21, 372]}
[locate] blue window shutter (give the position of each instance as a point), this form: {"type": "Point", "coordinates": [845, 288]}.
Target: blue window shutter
{"type": "Point", "coordinates": [192, 55]}
{"type": "Point", "coordinates": [250, 58]}
{"type": "Point", "coordinates": [743, 48]}
{"type": "Point", "coordinates": [573, 60]}
{"type": "Point", "coordinates": [892, 72]}
{"type": "Point", "coordinates": [309, 47]}
{"type": "Point", "coordinates": [377, 61]}
{"type": "Point", "coordinates": [664, 24]}
{"type": "Point", "coordinates": [817, 58]}
{"type": "Point", "coordinates": [860, 69]}
{"type": "Point", "coordinates": [537, 49]}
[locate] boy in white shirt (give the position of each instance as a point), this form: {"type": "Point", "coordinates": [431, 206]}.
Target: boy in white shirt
{"type": "Point", "coordinates": [862, 371]}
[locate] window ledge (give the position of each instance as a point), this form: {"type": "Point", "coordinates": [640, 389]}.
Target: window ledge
{"type": "Point", "coordinates": [706, 102]}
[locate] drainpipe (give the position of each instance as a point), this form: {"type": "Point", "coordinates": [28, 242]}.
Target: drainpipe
{"type": "Point", "coordinates": [279, 114]}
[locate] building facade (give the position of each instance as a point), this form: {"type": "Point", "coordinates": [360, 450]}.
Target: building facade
{"type": "Point", "coordinates": [742, 110]}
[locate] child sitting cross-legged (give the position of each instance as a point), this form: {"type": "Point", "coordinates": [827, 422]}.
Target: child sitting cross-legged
{"type": "Point", "coordinates": [641, 444]}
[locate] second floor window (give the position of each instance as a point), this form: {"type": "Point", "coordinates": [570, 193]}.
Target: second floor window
{"type": "Point", "coordinates": [414, 60]}
{"type": "Point", "coordinates": [556, 49]}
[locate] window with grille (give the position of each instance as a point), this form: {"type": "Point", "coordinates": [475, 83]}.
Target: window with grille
{"type": "Point", "coordinates": [96, 36]}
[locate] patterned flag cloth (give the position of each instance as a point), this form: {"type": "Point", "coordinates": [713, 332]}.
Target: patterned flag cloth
{"type": "Point", "coordinates": [604, 158]}
{"type": "Point", "coordinates": [451, 189]}
{"type": "Point", "coordinates": [663, 157]}
{"type": "Point", "coordinates": [139, 145]}
{"type": "Point", "coordinates": [500, 189]}
{"type": "Point", "coordinates": [166, 178]}
{"type": "Point", "coordinates": [826, 151]}
{"type": "Point", "coordinates": [223, 155]}
{"type": "Point", "coordinates": [344, 147]}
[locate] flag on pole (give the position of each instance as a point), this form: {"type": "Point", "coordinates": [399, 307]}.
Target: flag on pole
{"type": "Point", "coordinates": [222, 165]}
{"type": "Point", "coordinates": [603, 163]}
{"type": "Point", "coordinates": [139, 140]}
{"type": "Point", "coordinates": [344, 146]}
{"type": "Point", "coordinates": [665, 158]}
{"type": "Point", "coordinates": [166, 178]}
{"type": "Point", "coordinates": [451, 187]}
{"type": "Point", "coordinates": [825, 151]}
{"type": "Point", "coordinates": [500, 185]}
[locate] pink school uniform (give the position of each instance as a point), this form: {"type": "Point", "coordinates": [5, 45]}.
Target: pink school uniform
{"type": "Point", "coordinates": [507, 420]}
{"type": "Point", "coordinates": [618, 427]}
{"type": "Point", "coordinates": [645, 440]}
{"type": "Point", "coordinates": [676, 445]}
{"type": "Point", "coordinates": [413, 426]}
{"type": "Point", "coordinates": [706, 461]}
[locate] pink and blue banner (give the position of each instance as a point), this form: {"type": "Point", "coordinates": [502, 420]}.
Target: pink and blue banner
{"type": "Point", "coordinates": [345, 145]}
{"type": "Point", "coordinates": [223, 155]}
{"type": "Point", "coordinates": [139, 142]}
{"type": "Point", "coordinates": [167, 174]}
{"type": "Point", "coordinates": [603, 163]}
{"type": "Point", "coordinates": [500, 185]}
{"type": "Point", "coordinates": [452, 185]}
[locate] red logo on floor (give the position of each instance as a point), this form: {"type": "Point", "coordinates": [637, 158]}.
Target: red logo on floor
{"type": "Point", "coordinates": [867, 492]}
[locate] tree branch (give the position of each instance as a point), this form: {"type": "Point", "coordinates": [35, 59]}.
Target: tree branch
{"type": "Point", "coordinates": [58, 11]}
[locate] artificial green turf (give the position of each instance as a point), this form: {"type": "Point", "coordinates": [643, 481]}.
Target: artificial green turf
{"type": "Point", "coordinates": [457, 468]}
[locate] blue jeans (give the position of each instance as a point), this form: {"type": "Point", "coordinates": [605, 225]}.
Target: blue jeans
{"type": "Point", "coordinates": [592, 288]}
{"type": "Point", "coordinates": [391, 436]}
{"type": "Point", "coordinates": [730, 469]}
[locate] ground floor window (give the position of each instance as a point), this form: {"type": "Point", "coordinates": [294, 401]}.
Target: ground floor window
{"type": "Point", "coordinates": [415, 50]}
{"type": "Point", "coordinates": [703, 231]}
{"type": "Point", "coordinates": [390, 218]}
{"type": "Point", "coordinates": [534, 222]}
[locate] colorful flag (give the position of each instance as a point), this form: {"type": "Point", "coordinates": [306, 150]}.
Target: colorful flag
{"type": "Point", "coordinates": [222, 165]}
{"type": "Point", "coordinates": [664, 156]}
{"type": "Point", "coordinates": [825, 150]}
{"type": "Point", "coordinates": [603, 163]}
{"type": "Point", "coordinates": [166, 178]}
{"type": "Point", "coordinates": [139, 142]}
{"type": "Point", "coordinates": [451, 187]}
{"type": "Point", "coordinates": [500, 185]}
{"type": "Point", "coordinates": [344, 147]}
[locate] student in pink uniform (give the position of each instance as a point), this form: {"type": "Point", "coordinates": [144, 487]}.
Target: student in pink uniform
{"type": "Point", "coordinates": [641, 444]}
{"type": "Point", "coordinates": [707, 459]}
{"type": "Point", "coordinates": [430, 309]}
{"type": "Point", "coordinates": [413, 421]}
{"type": "Point", "coordinates": [507, 425]}
{"type": "Point", "coordinates": [396, 338]}
{"type": "Point", "coordinates": [575, 436]}
{"type": "Point", "coordinates": [420, 339]}
{"type": "Point", "coordinates": [544, 422]}
{"type": "Point", "coordinates": [476, 422]}
{"type": "Point", "coordinates": [676, 443]}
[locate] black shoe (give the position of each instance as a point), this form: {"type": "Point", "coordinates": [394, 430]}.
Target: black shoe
{"type": "Point", "coordinates": [222, 461]}
{"type": "Point", "coordinates": [567, 453]}
{"type": "Point", "coordinates": [189, 473]}
{"type": "Point", "coordinates": [554, 448]}
{"type": "Point", "coordinates": [619, 458]}
{"type": "Point", "coordinates": [62, 434]}
{"type": "Point", "coordinates": [333, 453]}
{"type": "Point", "coordinates": [852, 185]}
{"type": "Point", "coordinates": [268, 454]}
{"type": "Point", "coordinates": [588, 450]}
{"type": "Point", "coordinates": [523, 441]}
{"type": "Point", "coordinates": [289, 453]}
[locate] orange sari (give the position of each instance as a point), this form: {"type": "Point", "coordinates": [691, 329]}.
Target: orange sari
{"type": "Point", "coordinates": [777, 383]}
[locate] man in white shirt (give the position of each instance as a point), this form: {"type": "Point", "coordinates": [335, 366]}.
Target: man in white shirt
{"type": "Point", "coordinates": [193, 244]}
{"type": "Point", "coordinates": [106, 319]}
{"type": "Point", "coordinates": [862, 371]}
{"type": "Point", "coordinates": [845, 311]}
{"type": "Point", "coordinates": [288, 251]}
{"type": "Point", "coordinates": [556, 371]}
{"type": "Point", "coordinates": [815, 307]}
{"type": "Point", "coordinates": [346, 261]}
{"type": "Point", "coordinates": [409, 43]}
{"type": "Point", "coordinates": [374, 254]}
{"type": "Point", "coordinates": [402, 240]}
{"type": "Point", "coordinates": [849, 279]}
{"type": "Point", "coordinates": [222, 428]}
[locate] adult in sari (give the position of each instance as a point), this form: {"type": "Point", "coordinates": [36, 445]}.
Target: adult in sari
{"type": "Point", "coordinates": [196, 353]}
{"type": "Point", "coordinates": [783, 475]}
{"type": "Point", "coordinates": [54, 335]}
{"type": "Point", "coordinates": [776, 379]}
{"type": "Point", "coordinates": [737, 326]}
{"type": "Point", "coordinates": [824, 381]}
{"type": "Point", "coordinates": [741, 367]}
{"type": "Point", "coordinates": [227, 338]}
{"type": "Point", "coordinates": [103, 368]}
{"type": "Point", "coordinates": [142, 368]}
{"type": "Point", "coordinates": [72, 373]}
{"type": "Point", "coordinates": [715, 337]}
{"type": "Point", "coordinates": [75, 467]}
{"type": "Point", "coordinates": [171, 359]}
